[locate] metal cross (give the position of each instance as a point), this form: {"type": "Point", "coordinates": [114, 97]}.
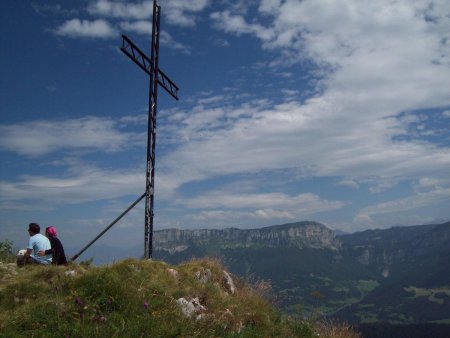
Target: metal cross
{"type": "Point", "coordinates": [157, 77]}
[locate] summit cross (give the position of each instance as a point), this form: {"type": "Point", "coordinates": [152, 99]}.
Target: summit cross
{"type": "Point", "coordinates": [157, 77]}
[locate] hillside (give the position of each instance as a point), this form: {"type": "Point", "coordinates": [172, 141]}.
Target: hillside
{"type": "Point", "coordinates": [411, 266]}
{"type": "Point", "coordinates": [143, 299]}
{"type": "Point", "coordinates": [398, 275]}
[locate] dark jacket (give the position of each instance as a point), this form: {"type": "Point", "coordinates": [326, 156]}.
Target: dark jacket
{"type": "Point", "coordinates": [57, 251]}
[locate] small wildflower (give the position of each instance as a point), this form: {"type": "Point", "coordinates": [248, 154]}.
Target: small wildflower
{"type": "Point", "coordinates": [99, 318]}
{"type": "Point", "coordinates": [146, 305]}
{"type": "Point", "coordinates": [78, 301]}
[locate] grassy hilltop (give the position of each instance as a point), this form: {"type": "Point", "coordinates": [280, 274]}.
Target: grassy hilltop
{"type": "Point", "coordinates": [135, 298]}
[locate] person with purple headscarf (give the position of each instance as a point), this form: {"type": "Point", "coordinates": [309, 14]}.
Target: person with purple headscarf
{"type": "Point", "coordinates": [57, 249]}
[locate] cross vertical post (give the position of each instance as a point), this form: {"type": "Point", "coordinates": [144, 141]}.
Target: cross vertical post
{"type": "Point", "coordinates": [151, 134]}
{"type": "Point", "coordinates": [157, 77]}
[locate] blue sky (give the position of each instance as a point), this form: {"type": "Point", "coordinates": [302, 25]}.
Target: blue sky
{"type": "Point", "coordinates": [332, 111]}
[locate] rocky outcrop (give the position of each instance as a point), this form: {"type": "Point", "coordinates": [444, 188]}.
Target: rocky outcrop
{"type": "Point", "coordinates": [301, 234]}
{"type": "Point", "coordinates": [229, 284]}
{"type": "Point", "coordinates": [192, 307]}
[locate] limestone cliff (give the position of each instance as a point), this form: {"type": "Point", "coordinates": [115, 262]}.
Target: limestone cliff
{"type": "Point", "coordinates": [301, 234]}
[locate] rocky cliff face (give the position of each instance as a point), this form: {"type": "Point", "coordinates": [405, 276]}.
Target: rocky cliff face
{"type": "Point", "coordinates": [397, 250]}
{"type": "Point", "coordinates": [301, 234]}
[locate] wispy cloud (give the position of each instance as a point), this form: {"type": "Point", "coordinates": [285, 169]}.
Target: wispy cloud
{"type": "Point", "coordinates": [81, 184]}
{"type": "Point", "coordinates": [168, 41]}
{"type": "Point", "coordinates": [145, 28]}
{"type": "Point", "coordinates": [368, 45]}
{"type": "Point", "coordinates": [220, 206]}
{"type": "Point", "coordinates": [419, 200]}
{"type": "Point", "coordinates": [76, 28]}
{"type": "Point", "coordinates": [260, 200]}
{"type": "Point", "coordinates": [317, 134]}
{"type": "Point", "coordinates": [118, 9]}
{"type": "Point", "coordinates": [37, 138]}
{"type": "Point", "coordinates": [297, 207]}
{"type": "Point", "coordinates": [236, 24]}
{"type": "Point", "coordinates": [375, 58]}
{"type": "Point", "coordinates": [140, 27]}
{"type": "Point", "coordinates": [348, 182]}
{"type": "Point", "coordinates": [177, 12]}
{"type": "Point", "coordinates": [53, 9]}
{"type": "Point", "coordinates": [183, 13]}
{"type": "Point", "coordinates": [132, 17]}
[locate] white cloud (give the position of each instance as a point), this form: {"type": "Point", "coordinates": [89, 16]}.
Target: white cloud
{"type": "Point", "coordinates": [221, 42]}
{"type": "Point", "coordinates": [304, 203]}
{"type": "Point", "coordinates": [76, 28]}
{"type": "Point", "coordinates": [167, 40]}
{"type": "Point", "coordinates": [140, 27]}
{"type": "Point", "coordinates": [347, 182]}
{"type": "Point", "coordinates": [178, 12]}
{"type": "Point", "coordinates": [269, 6]}
{"type": "Point", "coordinates": [82, 184]}
{"type": "Point", "coordinates": [289, 92]}
{"type": "Point", "coordinates": [383, 49]}
{"type": "Point", "coordinates": [382, 184]}
{"type": "Point", "coordinates": [137, 16]}
{"type": "Point", "coordinates": [318, 134]}
{"type": "Point", "coordinates": [182, 13]}
{"type": "Point", "coordinates": [37, 138]}
{"type": "Point", "coordinates": [363, 218]}
{"type": "Point", "coordinates": [419, 200]}
{"type": "Point", "coordinates": [145, 28]}
{"type": "Point", "coordinates": [222, 218]}
{"type": "Point", "coordinates": [256, 207]}
{"type": "Point", "coordinates": [51, 88]}
{"type": "Point", "coordinates": [236, 24]}
{"type": "Point", "coordinates": [53, 9]}
{"type": "Point", "coordinates": [118, 9]}
{"type": "Point", "coordinates": [135, 119]}
{"type": "Point", "coordinates": [381, 58]}
{"type": "Point", "coordinates": [426, 182]}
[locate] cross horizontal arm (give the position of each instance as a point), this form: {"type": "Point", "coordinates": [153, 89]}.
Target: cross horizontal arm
{"type": "Point", "coordinates": [143, 61]}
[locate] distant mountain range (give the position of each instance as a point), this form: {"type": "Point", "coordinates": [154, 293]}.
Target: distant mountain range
{"type": "Point", "coordinates": [399, 275]}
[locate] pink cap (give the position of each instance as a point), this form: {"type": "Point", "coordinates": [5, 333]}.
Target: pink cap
{"type": "Point", "coordinates": [51, 231]}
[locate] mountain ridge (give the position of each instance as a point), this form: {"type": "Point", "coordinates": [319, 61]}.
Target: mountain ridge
{"type": "Point", "coordinates": [397, 274]}
{"type": "Point", "coordinates": [301, 234]}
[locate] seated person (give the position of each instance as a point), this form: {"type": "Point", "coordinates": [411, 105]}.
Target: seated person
{"type": "Point", "coordinates": [36, 243]}
{"type": "Point", "coordinates": [57, 249]}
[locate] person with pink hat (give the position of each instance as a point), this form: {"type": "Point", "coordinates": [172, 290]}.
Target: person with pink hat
{"type": "Point", "coordinates": [57, 249]}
